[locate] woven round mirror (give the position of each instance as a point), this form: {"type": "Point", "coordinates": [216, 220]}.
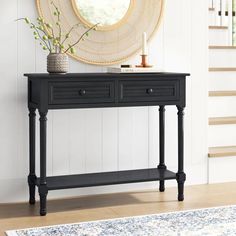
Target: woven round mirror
{"type": "Point", "coordinates": [119, 33]}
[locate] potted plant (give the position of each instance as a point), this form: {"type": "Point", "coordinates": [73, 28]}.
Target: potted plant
{"type": "Point", "coordinates": [55, 41]}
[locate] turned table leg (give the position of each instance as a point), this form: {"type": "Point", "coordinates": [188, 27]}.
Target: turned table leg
{"type": "Point", "coordinates": [180, 176]}
{"type": "Point", "coordinates": [43, 190]}
{"type": "Point", "coordinates": [162, 165]}
{"type": "Point", "coordinates": [32, 176]}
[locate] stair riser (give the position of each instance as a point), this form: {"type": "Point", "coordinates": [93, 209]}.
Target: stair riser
{"type": "Point", "coordinates": [222, 81]}
{"type": "Point", "coordinates": [222, 169]}
{"type": "Point", "coordinates": [222, 135]}
{"type": "Point", "coordinates": [221, 106]}
{"type": "Point", "coordinates": [218, 37]}
{"type": "Point", "coordinates": [212, 18]}
{"type": "Point", "coordinates": [222, 58]}
{"type": "Point", "coordinates": [215, 20]}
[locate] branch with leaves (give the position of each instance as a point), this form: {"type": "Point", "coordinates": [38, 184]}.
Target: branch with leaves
{"type": "Point", "coordinates": [86, 33]}
{"type": "Point", "coordinates": [55, 43]}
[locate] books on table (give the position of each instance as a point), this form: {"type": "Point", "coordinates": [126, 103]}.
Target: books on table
{"type": "Point", "coordinates": [133, 70]}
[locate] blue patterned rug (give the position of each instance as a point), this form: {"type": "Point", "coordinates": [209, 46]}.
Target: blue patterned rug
{"type": "Point", "coordinates": [219, 221]}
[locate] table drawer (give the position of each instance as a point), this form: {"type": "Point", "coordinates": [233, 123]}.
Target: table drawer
{"type": "Point", "coordinates": [149, 91]}
{"type": "Point", "coordinates": [81, 92]}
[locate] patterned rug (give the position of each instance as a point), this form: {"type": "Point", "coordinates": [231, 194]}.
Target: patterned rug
{"type": "Point", "coordinates": [219, 221]}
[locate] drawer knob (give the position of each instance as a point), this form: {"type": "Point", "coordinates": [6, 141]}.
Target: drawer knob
{"type": "Point", "coordinates": [150, 91]}
{"type": "Point", "coordinates": [82, 92]}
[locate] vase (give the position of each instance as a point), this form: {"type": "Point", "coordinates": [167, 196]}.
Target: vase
{"type": "Point", "coordinates": [57, 63]}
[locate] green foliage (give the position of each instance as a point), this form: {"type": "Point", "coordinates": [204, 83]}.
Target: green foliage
{"type": "Point", "coordinates": [72, 50]}
{"type": "Point", "coordinates": [55, 43]}
{"type": "Point", "coordinates": [27, 20]}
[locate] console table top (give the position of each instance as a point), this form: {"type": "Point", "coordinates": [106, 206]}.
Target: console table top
{"type": "Point", "coordinates": [104, 75]}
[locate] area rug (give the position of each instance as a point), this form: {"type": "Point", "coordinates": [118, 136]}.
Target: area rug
{"type": "Point", "coordinates": [219, 221]}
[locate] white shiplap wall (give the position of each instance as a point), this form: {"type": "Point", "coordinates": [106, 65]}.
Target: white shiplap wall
{"type": "Point", "coordinates": [93, 140]}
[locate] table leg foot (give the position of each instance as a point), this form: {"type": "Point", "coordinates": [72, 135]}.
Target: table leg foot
{"type": "Point", "coordinates": [43, 204]}
{"type": "Point", "coordinates": [181, 177]}
{"type": "Point", "coordinates": [43, 191]}
{"type": "Point", "coordinates": [31, 183]}
{"type": "Point", "coordinates": [162, 186]}
{"type": "Point", "coordinates": [161, 166]}
{"type": "Point", "coordinates": [180, 197]}
{"type": "Point", "coordinates": [32, 198]}
{"type": "Point", "coordinates": [180, 192]}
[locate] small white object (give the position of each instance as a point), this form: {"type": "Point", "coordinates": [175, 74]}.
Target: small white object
{"type": "Point", "coordinates": [144, 44]}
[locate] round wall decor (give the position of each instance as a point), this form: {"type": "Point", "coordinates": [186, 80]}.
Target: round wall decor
{"type": "Point", "coordinates": [117, 38]}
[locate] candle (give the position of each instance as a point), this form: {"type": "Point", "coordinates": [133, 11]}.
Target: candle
{"type": "Point", "coordinates": [144, 45]}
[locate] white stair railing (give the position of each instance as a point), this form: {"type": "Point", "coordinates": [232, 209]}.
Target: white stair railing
{"type": "Point", "coordinates": [234, 22]}
{"type": "Point", "coordinates": [224, 15]}
{"type": "Point", "coordinates": [229, 19]}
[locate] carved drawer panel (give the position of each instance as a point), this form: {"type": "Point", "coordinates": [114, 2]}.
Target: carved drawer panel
{"type": "Point", "coordinates": [149, 91]}
{"type": "Point", "coordinates": [81, 92]}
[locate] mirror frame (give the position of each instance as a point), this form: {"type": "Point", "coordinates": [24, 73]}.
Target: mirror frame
{"type": "Point", "coordinates": [109, 47]}
{"type": "Point", "coordinates": [104, 28]}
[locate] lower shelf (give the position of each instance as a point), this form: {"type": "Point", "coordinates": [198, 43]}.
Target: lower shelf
{"type": "Point", "coordinates": [107, 178]}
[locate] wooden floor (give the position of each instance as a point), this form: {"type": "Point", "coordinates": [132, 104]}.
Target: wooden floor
{"type": "Point", "coordinates": [21, 215]}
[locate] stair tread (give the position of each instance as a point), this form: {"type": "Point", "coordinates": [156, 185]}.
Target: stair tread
{"type": "Point", "coordinates": [222, 120]}
{"type": "Point", "coordinates": [217, 27]}
{"type": "Point", "coordinates": [222, 93]}
{"type": "Point", "coordinates": [222, 151]}
{"type": "Point", "coordinates": [221, 47]}
{"type": "Point", "coordinates": [222, 69]}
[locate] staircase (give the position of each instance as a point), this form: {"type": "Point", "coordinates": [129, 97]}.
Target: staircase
{"type": "Point", "coordinates": [222, 92]}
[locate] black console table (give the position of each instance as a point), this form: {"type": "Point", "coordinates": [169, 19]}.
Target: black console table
{"type": "Point", "coordinates": [91, 90]}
